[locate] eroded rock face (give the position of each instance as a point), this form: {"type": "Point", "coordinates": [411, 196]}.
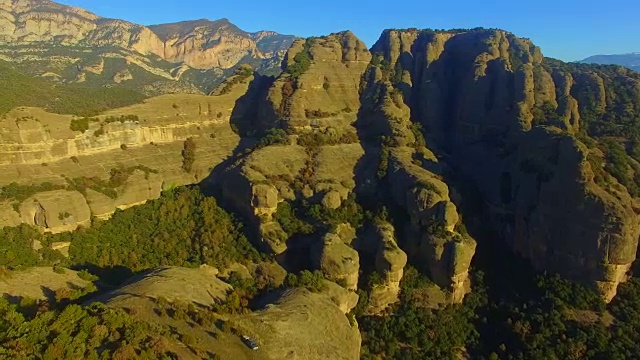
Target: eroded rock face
{"type": "Point", "coordinates": [200, 44]}
{"type": "Point", "coordinates": [337, 260]}
{"type": "Point", "coordinates": [481, 97]}
{"type": "Point", "coordinates": [56, 211]}
{"type": "Point", "coordinates": [260, 181]}
{"type": "Point", "coordinates": [324, 94]}
{"type": "Point", "coordinates": [390, 261]}
{"type": "Point", "coordinates": [345, 299]}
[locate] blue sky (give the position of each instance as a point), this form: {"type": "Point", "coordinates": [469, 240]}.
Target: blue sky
{"type": "Point", "coordinates": [564, 29]}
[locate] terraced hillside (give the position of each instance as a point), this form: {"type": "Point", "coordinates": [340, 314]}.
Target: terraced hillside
{"type": "Point", "coordinates": [59, 171]}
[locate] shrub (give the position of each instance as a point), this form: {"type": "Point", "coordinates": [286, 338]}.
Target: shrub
{"type": "Point", "coordinates": [59, 269]}
{"type": "Point", "coordinates": [273, 136]}
{"type": "Point", "coordinates": [21, 192]}
{"type": "Point", "coordinates": [301, 62]}
{"type": "Point", "coordinates": [188, 155]}
{"type": "Point", "coordinates": [312, 281]}
{"type": "Point", "coordinates": [241, 74]}
{"type": "Point", "coordinates": [121, 119]}
{"type": "Point", "coordinates": [79, 124]}
{"type": "Point", "coordinates": [86, 275]}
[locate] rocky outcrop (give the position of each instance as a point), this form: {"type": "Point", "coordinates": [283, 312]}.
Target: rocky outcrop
{"type": "Point", "coordinates": [294, 326]}
{"type": "Point", "coordinates": [412, 176]}
{"type": "Point", "coordinates": [345, 299]}
{"type": "Point", "coordinates": [337, 260]}
{"type": "Point", "coordinates": [122, 76]}
{"type": "Point", "coordinates": [320, 84]}
{"type": "Point", "coordinates": [474, 98]}
{"type": "Point", "coordinates": [57, 211]}
{"type": "Point", "coordinates": [259, 182]}
{"type": "Point", "coordinates": [478, 94]}
{"type": "Point", "coordinates": [390, 261]}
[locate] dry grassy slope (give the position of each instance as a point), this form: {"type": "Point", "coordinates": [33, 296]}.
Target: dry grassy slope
{"type": "Point", "coordinates": [302, 325]}
{"type": "Point", "coordinates": [181, 285]}
{"type": "Point", "coordinates": [37, 147]}
{"type": "Point", "coordinates": [297, 325]}
{"type": "Point", "coordinates": [200, 286]}
{"type": "Point", "coordinates": [38, 283]}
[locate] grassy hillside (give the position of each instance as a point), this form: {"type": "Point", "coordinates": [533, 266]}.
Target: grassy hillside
{"type": "Point", "coordinates": [22, 90]}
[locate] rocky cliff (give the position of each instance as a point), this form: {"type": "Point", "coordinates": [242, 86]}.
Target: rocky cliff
{"type": "Point", "coordinates": [331, 106]}
{"type": "Point", "coordinates": [480, 106]}
{"type": "Point", "coordinates": [319, 86]}
{"type": "Point", "coordinates": [510, 121]}
{"type": "Point", "coordinates": [389, 261]}
{"type": "Point", "coordinates": [59, 171]}
{"type": "Point", "coordinates": [191, 54]}
{"type": "Point", "coordinates": [550, 148]}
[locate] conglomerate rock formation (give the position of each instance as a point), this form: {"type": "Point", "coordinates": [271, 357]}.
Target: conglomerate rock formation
{"type": "Point", "coordinates": [395, 130]}
{"type": "Point", "coordinates": [482, 105]}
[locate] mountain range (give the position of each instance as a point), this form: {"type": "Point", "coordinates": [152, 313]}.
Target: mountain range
{"type": "Point", "coordinates": [72, 45]}
{"type": "Point", "coordinates": [631, 60]}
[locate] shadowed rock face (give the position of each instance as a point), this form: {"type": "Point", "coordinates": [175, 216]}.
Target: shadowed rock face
{"type": "Point", "coordinates": [479, 96]}
{"type": "Point", "coordinates": [494, 113]}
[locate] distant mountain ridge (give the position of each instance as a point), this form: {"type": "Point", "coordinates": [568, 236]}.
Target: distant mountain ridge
{"type": "Point", "coordinates": [631, 60]}
{"type": "Point", "coordinates": [32, 32]}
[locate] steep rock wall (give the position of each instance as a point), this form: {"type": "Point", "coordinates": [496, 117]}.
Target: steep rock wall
{"type": "Point", "coordinates": [478, 94]}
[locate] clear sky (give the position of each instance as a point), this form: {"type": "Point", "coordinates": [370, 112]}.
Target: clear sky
{"type": "Point", "coordinates": [565, 29]}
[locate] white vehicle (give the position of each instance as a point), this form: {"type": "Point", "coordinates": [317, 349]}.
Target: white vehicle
{"type": "Point", "coordinates": [251, 344]}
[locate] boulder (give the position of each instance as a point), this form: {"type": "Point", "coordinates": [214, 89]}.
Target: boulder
{"type": "Point", "coordinates": [332, 200]}
{"type": "Point", "coordinates": [345, 299]}
{"type": "Point", "coordinates": [337, 260]}
{"type": "Point", "coordinates": [56, 211]}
